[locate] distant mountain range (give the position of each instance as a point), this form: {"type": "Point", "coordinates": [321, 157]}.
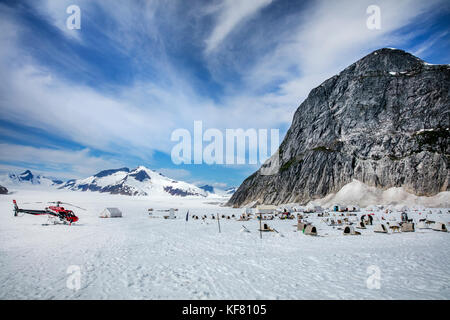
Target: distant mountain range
{"type": "Point", "coordinates": [213, 190]}
{"type": "Point", "coordinates": [136, 182]}
{"type": "Point", "coordinates": [30, 178]}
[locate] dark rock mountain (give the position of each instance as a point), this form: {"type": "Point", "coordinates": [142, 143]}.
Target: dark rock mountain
{"type": "Point", "coordinates": [384, 121]}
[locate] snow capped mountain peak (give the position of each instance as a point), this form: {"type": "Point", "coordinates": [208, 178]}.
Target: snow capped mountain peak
{"type": "Point", "coordinates": [140, 175]}
{"type": "Point", "coordinates": [140, 168]}
{"type": "Point", "coordinates": [26, 176]}
{"type": "Point", "coordinates": [140, 181]}
{"type": "Point", "coordinates": [105, 173]}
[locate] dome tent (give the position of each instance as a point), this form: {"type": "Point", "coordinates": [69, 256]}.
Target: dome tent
{"type": "Point", "coordinates": [111, 213]}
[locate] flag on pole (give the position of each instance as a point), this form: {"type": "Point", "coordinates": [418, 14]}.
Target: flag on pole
{"type": "Point", "coordinates": [187, 215]}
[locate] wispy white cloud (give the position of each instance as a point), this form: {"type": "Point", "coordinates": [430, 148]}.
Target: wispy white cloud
{"type": "Point", "coordinates": [231, 14]}
{"type": "Point", "coordinates": [58, 162]}
{"type": "Point", "coordinates": [273, 77]}
{"type": "Point", "coordinates": [427, 45]}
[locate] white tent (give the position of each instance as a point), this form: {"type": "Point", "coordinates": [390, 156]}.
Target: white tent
{"type": "Point", "coordinates": [266, 209]}
{"type": "Point", "coordinates": [311, 207]}
{"type": "Point", "coordinates": [111, 213]}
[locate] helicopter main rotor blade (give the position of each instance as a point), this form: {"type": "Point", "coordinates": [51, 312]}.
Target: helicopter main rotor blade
{"type": "Point", "coordinates": [73, 205]}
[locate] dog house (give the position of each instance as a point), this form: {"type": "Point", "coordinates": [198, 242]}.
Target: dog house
{"type": "Point", "coordinates": [301, 226]}
{"type": "Point", "coordinates": [361, 225]}
{"type": "Point", "coordinates": [380, 228]}
{"type": "Point", "coordinates": [310, 230]}
{"type": "Point", "coordinates": [407, 227]}
{"type": "Point", "coordinates": [266, 227]}
{"type": "Point", "coordinates": [440, 226]}
{"type": "Point", "coordinates": [349, 230]}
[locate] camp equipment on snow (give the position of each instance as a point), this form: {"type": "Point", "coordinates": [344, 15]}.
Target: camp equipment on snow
{"type": "Point", "coordinates": [171, 214]}
{"type": "Point", "coordinates": [407, 227]}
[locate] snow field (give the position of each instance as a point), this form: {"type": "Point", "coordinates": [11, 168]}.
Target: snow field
{"type": "Point", "coordinates": [138, 257]}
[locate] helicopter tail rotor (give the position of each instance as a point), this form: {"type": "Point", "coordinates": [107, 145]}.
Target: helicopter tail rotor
{"type": "Point", "coordinates": [16, 208]}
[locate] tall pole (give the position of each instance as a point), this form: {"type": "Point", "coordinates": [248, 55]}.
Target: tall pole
{"type": "Point", "coordinates": [260, 226]}
{"type": "Point", "coordinates": [218, 221]}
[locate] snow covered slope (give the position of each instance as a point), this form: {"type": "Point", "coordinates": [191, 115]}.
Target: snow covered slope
{"type": "Point", "coordinates": [138, 257]}
{"type": "Point", "coordinates": [137, 182]}
{"type": "Point", "coordinates": [358, 193]}
{"type": "Point", "coordinates": [28, 178]}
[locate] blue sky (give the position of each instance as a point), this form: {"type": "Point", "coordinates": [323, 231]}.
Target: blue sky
{"type": "Point", "coordinates": [74, 102]}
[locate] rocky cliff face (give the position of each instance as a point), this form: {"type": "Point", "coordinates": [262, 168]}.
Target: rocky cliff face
{"type": "Point", "coordinates": [384, 121]}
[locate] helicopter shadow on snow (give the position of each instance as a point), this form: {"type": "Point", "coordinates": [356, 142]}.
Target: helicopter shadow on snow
{"type": "Point", "coordinates": [49, 224]}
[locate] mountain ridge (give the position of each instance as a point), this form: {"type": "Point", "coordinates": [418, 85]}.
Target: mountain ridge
{"type": "Point", "coordinates": [140, 181]}
{"type": "Point", "coordinates": [28, 177]}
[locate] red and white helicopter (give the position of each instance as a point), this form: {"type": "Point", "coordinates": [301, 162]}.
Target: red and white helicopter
{"type": "Point", "coordinates": [53, 212]}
